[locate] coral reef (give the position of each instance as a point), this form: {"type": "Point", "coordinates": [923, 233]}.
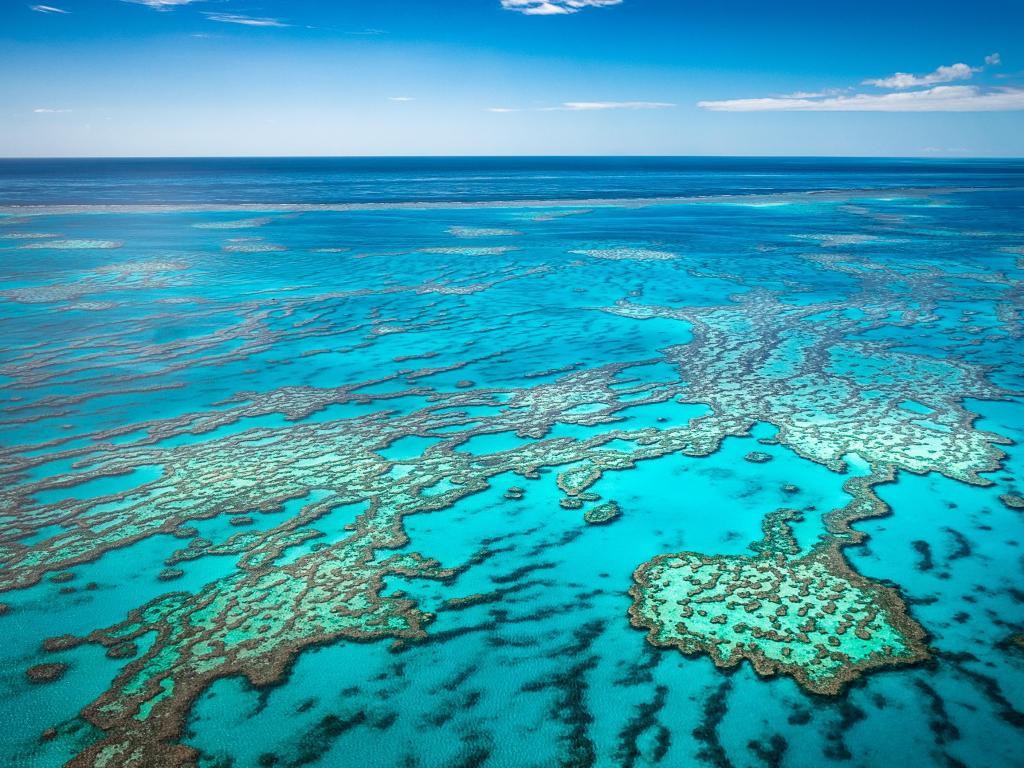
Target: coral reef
{"type": "Point", "coordinates": [276, 463]}
{"type": "Point", "coordinates": [808, 616]}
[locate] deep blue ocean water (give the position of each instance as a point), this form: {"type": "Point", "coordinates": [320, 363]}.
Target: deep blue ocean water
{"type": "Point", "coordinates": [298, 458]}
{"type": "Point", "coordinates": [471, 179]}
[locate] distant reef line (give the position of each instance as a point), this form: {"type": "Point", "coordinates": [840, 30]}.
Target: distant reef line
{"type": "Point", "coordinates": [618, 202]}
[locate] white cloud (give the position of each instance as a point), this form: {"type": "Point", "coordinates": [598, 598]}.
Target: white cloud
{"type": "Point", "coordinates": [162, 5]}
{"type": "Point", "coordinates": [940, 75]}
{"type": "Point", "coordinates": [46, 9]}
{"type": "Point", "coordinates": [942, 98]}
{"type": "Point", "coordinates": [589, 106]}
{"type": "Point", "coordinates": [938, 98]}
{"type": "Point", "coordinates": [803, 95]}
{"type": "Point", "coordinates": [248, 21]}
{"type": "Point", "coordinates": [554, 7]}
{"type": "Point", "coordinates": [584, 106]}
{"type": "Point", "coordinates": [47, 111]}
{"type": "Point", "coordinates": [401, 98]}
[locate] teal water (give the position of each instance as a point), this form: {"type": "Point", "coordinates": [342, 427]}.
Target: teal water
{"type": "Point", "coordinates": [312, 487]}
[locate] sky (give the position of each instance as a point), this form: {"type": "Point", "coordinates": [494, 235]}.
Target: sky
{"type": "Point", "coordinates": [512, 77]}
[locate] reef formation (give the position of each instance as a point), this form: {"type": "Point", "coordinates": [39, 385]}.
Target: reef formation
{"type": "Point", "coordinates": [284, 464]}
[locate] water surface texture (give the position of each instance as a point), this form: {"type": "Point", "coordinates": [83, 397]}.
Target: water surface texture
{"type": "Point", "coordinates": [614, 462]}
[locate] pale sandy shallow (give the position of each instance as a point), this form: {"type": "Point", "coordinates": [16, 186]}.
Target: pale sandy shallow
{"type": "Point", "coordinates": [625, 202]}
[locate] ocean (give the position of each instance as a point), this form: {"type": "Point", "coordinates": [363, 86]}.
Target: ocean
{"type": "Point", "coordinates": [511, 462]}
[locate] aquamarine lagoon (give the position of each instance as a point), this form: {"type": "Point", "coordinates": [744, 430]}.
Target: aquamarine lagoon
{"type": "Point", "coordinates": [541, 462]}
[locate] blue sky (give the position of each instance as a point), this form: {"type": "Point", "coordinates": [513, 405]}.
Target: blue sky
{"type": "Point", "coordinates": [412, 77]}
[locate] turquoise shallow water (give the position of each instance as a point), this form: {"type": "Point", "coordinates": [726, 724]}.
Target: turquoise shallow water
{"type": "Point", "coordinates": [464, 485]}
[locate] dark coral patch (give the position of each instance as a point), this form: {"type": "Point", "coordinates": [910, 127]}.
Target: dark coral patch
{"type": "Point", "coordinates": [46, 673]}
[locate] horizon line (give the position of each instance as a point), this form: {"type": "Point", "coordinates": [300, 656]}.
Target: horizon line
{"type": "Point", "coordinates": [923, 156]}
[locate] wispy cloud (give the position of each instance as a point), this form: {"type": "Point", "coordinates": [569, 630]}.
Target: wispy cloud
{"type": "Point", "coordinates": [808, 94]}
{"type": "Point", "coordinates": [940, 75]}
{"type": "Point", "coordinates": [162, 5]}
{"type": "Point", "coordinates": [401, 98]}
{"type": "Point", "coordinates": [585, 106]}
{"type": "Point", "coordinates": [554, 7]}
{"type": "Point", "coordinates": [941, 98]}
{"type": "Point", "coordinates": [928, 96]}
{"type": "Point", "coordinates": [46, 9]}
{"type": "Point", "coordinates": [248, 21]}
{"type": "Point", "coordinates": [48, 111]}
{"type": "Point", "coordinates": [588, 106]}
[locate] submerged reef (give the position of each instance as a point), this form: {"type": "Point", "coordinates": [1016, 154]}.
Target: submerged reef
{"type": "Point", "coordinates": [603, 513]}
{"type": "Point", "coordinates": [482, 232]}
{"type": "Point", "coordinates": [46, 673]}
{"type": "Point", "coordinates": [75, 245]}
{"type": "Point", "coordinates": [1012, 500]}
{"type": "Point", "coordinates": [627, 254]}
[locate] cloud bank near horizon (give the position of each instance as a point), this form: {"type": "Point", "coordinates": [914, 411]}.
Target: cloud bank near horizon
{"type": "Point", "coordinates": [947, 98]}
{"type": "Point", "coordinates": [905, 93]}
